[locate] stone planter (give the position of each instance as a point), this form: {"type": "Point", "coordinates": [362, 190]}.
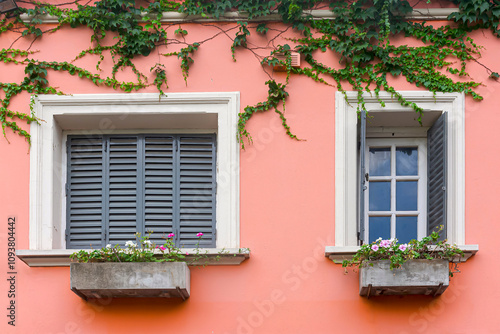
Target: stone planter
{"type": "Point", "coordinates": [415, 277]}
{"type": "Point", "coordinates": [130, 279]}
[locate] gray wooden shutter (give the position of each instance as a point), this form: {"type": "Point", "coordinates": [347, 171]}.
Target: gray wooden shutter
{"type": "Point", "coordinates": [436, 176]}
{"type": "Point", "coordinates": [158, 186]}
{"type": "Point", "coordinates": [124, 191]}
{"type": "Point", "coordinates": [196, 186]}
{"type": "Point", "coordinates": [362, 177]}
{"type": "Point", "coordinates": [85, 209]}
{"type": "Point", "coordinates": [119, 185]}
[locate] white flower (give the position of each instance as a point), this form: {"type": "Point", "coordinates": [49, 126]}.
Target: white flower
{"type": "Point", "coordinates": [131, 244]}
{"type": "Point", "coordinates": [379, 239]}
{"type": "Point", "coordinates": [147, 242]}
{"type": "Point", "coordinates": [108, 246]}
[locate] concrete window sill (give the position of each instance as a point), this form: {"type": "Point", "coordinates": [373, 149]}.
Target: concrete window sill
{"type": "Point", "coordinates": [60, 257]}
{"type": "Point", "coordinates": [339, 253]}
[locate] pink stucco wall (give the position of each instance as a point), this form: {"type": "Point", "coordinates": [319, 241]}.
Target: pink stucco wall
{"type": "Point", "coordinates": [287, 217]}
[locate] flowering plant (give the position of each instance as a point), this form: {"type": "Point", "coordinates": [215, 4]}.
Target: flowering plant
{"type": "Point", "coordinates": [142, 251]}
{"type": "Point", "coordinates": [428, 248]}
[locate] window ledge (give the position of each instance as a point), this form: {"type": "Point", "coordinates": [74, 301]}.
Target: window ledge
{"type": "Point", "coordinates": [61, 257]}
{"type": "Point", "coordinates": [338, 254]}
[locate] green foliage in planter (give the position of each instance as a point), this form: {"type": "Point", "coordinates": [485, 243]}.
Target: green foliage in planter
{"type": "Point", "coordinates": [359, 36]}
{"type": "Point", "coordinates": [142, 251]}
{"type": "Point", "coordinates": [428, 248]}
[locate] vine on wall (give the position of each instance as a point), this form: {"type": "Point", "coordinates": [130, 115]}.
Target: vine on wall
{"type": "Point", "coordinates": [360, 34]}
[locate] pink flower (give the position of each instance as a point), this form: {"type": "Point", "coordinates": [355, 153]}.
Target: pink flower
{"type": "Point", "coordinates": [171, 235]}
{"type": "Point", "coordinates": [375, 248]}
{"type": "Point", "coordinates": [199, 234]}
{"type": "Point", "coordinates": [187, 253]}
{"type": "Point", "coordinates": [162, 248]}
{"type": "Point", "coordinates": [385, 243]}
{"type": "Point", "coordinates": [402, 247]}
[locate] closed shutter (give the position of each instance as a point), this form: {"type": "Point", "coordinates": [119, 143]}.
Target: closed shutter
{"type": "Point", "coordinates": [196, 185]}
{"type": "Point", "coordinates": [158, 187]}
{"type": "Point", "coordinates": [119, 185]}
{"type": "Point", "coordinates": [436, 171]}
{"type": "Point", "coordinates": [124, 190]}
{"type": "Point", "coordinates": [362, 178]}
{"type": "Point", "coordinates": [85, 208]}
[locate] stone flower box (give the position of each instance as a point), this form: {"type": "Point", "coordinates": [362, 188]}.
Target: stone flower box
{"type": "Point", "coordinates": [130, 279]}
{"type": "Point", "coordinates": [415, 277]}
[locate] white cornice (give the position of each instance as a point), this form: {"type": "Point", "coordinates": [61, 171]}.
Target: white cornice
{"type": "Point", "coordinates": [428, 14]}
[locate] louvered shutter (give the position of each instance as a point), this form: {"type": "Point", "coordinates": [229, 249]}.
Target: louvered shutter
{"type": "Point", "coordinates": [362, 177]}
{"type": "Point", "coordinates": [124, 188]}
{"type": "Point", "coordinates": [119, 185]}
{"type": "Point", "coordinates": [158, 186]}
{"type": "Point", "coordinates": [85, 209]}
{"type": "Point", "coordinates": [436, 174]}
{"type": "Point", "coordinates": [196, 185]}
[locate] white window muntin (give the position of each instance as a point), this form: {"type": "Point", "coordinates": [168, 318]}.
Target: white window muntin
{"type": "Point", "coordinates": [421, 178]}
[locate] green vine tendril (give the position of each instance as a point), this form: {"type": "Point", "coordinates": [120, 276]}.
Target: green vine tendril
{"type": "Point", "coordinates": [360, 36]}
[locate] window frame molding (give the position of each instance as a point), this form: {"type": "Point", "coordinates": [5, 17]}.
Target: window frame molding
{"type": "Point", "coordinates": [48, 150]}
{"type": "Point", "coordinates": [346, 124]}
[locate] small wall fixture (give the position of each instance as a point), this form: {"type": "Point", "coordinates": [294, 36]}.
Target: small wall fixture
{"type": "Point", "coordinates": [7, 6]}
{"type": "Point", "coordinates": [295, 60]}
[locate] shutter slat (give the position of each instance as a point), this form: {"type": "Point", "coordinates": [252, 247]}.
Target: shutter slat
{"type": "Point", "coordinates": [152, 191]}
{"type": "Point", "coordinates": [161, 180]}
{"type": "Point", "coordinates": [159, 209]}
{"type": "Point", "coordinates": [165, 216]}
{"type": "Point", "coordinates": [436, 171]}
{"type": "Point", "coordinates": [88, 218]}
{"type": "Point", "coordinates": [86, 201]}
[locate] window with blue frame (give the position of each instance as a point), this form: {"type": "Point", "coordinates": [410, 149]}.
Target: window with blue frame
{"type": "Point", "coordinates": [402, 181]}
{"type": "Point", "coordinates": [396, 191]}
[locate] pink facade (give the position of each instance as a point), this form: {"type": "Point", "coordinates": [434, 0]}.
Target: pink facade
{"type": "Point", "coordinates": [286, 215]}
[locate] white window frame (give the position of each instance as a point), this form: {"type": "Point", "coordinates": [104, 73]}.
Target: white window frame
{"type": "Point", "coordinates": [346, 154]}
{"type": "Point", "coordinates": [421, 177]}
{"type": "Point", "coordinates": [48, 153]}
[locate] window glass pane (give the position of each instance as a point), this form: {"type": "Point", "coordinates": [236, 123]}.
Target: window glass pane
{"type": "Point", "coordinates": [380, 227]}
{"type": "Point", "coordinates": [406, 228]}
{"type": "Point", "coordinates": [380, 196]}
{"type": "Point", "coordinates": [406, 161]}
{"type": "Point", "coordinates": [380, 161]}
{"type": "Point", "coordinates": [406, 195]}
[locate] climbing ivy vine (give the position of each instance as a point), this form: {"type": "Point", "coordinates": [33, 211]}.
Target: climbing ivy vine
{"type": "Point", "coordinates": [359, 34]}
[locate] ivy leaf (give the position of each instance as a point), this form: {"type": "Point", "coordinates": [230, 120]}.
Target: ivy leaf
{"type": "Point", "coordinates": [484, 6]}
{"type": "Point", "coordinates": [396, 71]}
{"type": "Point", "coordinates": [181, 32]}
{"type": "Point", "coordinates": [261, 28]}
